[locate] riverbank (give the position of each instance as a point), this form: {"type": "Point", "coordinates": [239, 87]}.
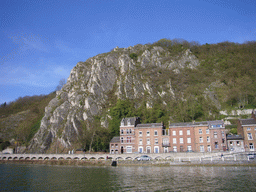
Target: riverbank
{"type": "Point", "coordinates": [131, 163]}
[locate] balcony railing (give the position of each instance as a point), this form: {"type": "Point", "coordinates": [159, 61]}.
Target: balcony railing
{"type": "Point", "coordinates": [166, 144]}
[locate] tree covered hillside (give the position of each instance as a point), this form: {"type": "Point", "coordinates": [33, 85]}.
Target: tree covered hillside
{"type": "Point", "coordinates": [224, 80]}
{"type": "Point", "coordinates": [20, 119]}
{"type": "Point", "coordinates": [167, 81]}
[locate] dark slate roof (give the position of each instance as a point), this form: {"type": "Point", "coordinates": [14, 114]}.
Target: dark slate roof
{"type": "Point", "coordinates": [132, 120]}
{"type": "Point", "coordinates": [186, 124]}
{"type": "Point", "coordinates": [204, 123]}
{"type": "Point", "coordinates": [216, 122]}
{"type": "Point", "coordinates": [234, 137]}
{"type": "Point", "coordinates": [115, 139]}
{"type": "Point", "coordinates": [247, 121]}
{"type": "Point", "coordinates": [150, 125]}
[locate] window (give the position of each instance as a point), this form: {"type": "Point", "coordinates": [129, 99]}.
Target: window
{"type": "Point", "coordinates": [156, 141]}
{"type": "Point", "coordinates": [174, 148]}
{"type": "Point", "coordinates": [140, 133]}
{"type": "Point", "coordinates": [189, 148]}
{"type": "Point", "coordinates": [127, 131]}
{"type": "Point", "coordinates": [188, 132]}
{"type": "Point", "coordinates": [140, 142]}
{"type": "Point", "coordinates": [174, 141]}
{"type": "Point", "coordinates": [200, 139]}
{"type": "Point", "coordinates": [129, 139]}
{"type": "Point", "coordinates": [251, 146]}
{"type": "Point", "coordinates": [208, 148]}
{"type": "Point", "coordinates": [112, 146]}
{"type": "Point", "coordinates": [222, 133]}
{"type": "Point", "coordinates": [148, 134]}
{"type": "Point", "coordinates": [216, 145]}
{"type": "Point", "coordinates": [200, 131]}
{"type": "Point", "coordinates": [208, 139]}
{"type": "Point", "coordinates": [130, 131]}
{"type": "Point", "coordinates": [148, 141]}
{"type": "Point", "coordinates": [155, 133]}
{"type": "Point", "coordinates": [180, 132]}
{"type": "Point", "coordinates": [188, 140]}
{"type": "Point", "coordinates": [165, 141]}
{"type": "Point", "coordinates": [181, 140]}
{"type": "Point", "coordinates": [128, 149]}
{"type": "Point", "coordinates": [215, 134]}
{"type": "Point", "coordinates": [173, 133]}
{"type": "Point", "coordinates": [122, 139]}
{"type": "Point", "coordinates": [231, 142]}
{"type": "Point", "coordinates": [201, 148]}
{"type": "Point", "coordinates": [122, 131]}
{"type": "Point", "coordinates": [116, 145]}
{"type": "Point", "coordinates": [248, 129]}
{"type": "Point", "coordinates": [207, 131]}
{"type": "Point", "coordinates": [249, 135]}
{"type": "Point", "coordinates": [238, 143]}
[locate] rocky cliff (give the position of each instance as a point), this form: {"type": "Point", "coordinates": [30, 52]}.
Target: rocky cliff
{"type": "Point", "coordinates": [126, 73]}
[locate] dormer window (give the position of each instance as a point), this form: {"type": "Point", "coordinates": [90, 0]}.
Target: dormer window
{"type": "Point", "coordinates": [122, 122]}
{"type": "Point", "coordinates": [129, 122]}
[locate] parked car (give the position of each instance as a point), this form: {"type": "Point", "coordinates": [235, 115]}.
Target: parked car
{"type": "Point", "coordinates": [144, 158]}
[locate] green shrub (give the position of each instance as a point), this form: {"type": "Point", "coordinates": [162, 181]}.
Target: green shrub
{"type": "Point", "coordinates": [133, 56]}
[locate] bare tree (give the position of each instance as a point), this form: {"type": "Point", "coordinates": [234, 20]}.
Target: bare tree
{"type": "Point", "coordinates": [62, 82]}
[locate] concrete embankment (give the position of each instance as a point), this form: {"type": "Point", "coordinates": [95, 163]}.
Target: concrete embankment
{"type": "Point", "coordinates": [133, 162]}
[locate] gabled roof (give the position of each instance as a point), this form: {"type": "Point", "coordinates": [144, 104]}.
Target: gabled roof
{"type": "Point", "coordinates": [150, 125]}
{"type": "Point", "coordinates": [115, 139]}
{"type": "Point", "coordinates": [247, 121]}
{"type": "Point", "coordinates": [132, 121]}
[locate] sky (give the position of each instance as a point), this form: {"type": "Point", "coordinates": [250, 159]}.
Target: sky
{"type": "Point", "coordinates": [42, 40]}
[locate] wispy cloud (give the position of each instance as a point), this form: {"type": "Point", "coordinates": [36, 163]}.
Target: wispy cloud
{"type": "Point", "coordinates": [28, 41]}
{"type": "Point", "coordinates": [47, 76]}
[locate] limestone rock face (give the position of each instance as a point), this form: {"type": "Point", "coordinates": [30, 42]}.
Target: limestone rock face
{"type": "Point", "coordinates": [92, 83]}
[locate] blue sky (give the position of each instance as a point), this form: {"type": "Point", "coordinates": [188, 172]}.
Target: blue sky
{"type": "Point", "coordinates": [42, 40]}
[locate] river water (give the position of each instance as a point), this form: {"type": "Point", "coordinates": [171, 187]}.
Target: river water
{"type": "Point", "coordinates": [15, 177]}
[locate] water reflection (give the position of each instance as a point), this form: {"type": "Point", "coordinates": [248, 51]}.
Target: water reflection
{"type": "Point", "coordinates": [68, 178]}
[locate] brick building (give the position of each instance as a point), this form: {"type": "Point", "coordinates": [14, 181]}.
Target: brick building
{"type": "Point", "coordinates": [203, 136]}
{"type": "Point", "coordinates": [149, 138]}
{"type": "Point", "coordinates": [247, 129]}
{"type": "Point", "coordinates": [141, 138]}
{"type": "Point", "coordinates": [207, 136]}
{"type": "Point", "coordinates": [182, 137]}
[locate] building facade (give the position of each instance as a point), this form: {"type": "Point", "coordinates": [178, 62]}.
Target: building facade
{"type": "Point", "coordinates": [182, 137]}
{"type": "Point", "coordinates": [207, 136]}
{"type": "Point", "coordinates": [235, 143]}
{"type": "Point", "coordinates": [149, 138]}
{"type": "Point", "coordinates": [247, 129]}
